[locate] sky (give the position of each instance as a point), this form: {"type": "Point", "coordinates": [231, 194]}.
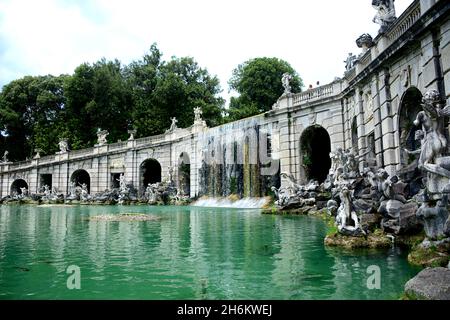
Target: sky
{"type": "Point", "coordinates": [55, 36]}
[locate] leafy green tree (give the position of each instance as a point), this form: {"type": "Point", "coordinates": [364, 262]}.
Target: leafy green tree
{"type": "Point", "coordinates": [98, 97]}
{"type": "Point", "coordinates": [258, 83]}
{"type": "Point", "coordinates": [30, 110]}
{"type": "Point", "coordinates": [165, 89]}
{"type": "Point", "coordinates": [36, 112]}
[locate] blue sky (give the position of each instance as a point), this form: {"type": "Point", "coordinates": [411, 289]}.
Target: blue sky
{"type": "Point", "coordinates": [54, 36]}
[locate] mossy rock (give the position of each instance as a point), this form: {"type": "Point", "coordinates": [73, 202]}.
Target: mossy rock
{"type": "Point", "coordinates": [429, 257]}
{"type": "Point", "coordinates": [372, 241]}
{"type": "Point", "coordinates": [409, 241]}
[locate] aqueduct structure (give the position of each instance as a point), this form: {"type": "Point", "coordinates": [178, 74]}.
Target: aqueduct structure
{"type": "Point", "coordinates": [369, 110]}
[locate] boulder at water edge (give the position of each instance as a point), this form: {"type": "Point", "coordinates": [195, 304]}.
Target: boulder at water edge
{"type": "Point", "coordinates": [430, 284]}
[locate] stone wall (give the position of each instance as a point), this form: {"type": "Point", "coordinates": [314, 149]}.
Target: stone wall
{"type": "Point", "coordinates": [362, 111]}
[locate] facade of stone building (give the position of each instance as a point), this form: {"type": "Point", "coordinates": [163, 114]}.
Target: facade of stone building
{"type": "Point", "coordinates": [369, 110]}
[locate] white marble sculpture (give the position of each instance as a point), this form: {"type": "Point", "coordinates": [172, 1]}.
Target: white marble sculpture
{"type": "Point", "coordinates": [285, 80]}
{"type": "Point", "coordinates": [385, 13]}
{"type": "Point", "coordinates": [63, 146]}
{"type": "Point", "coordinates": [101, 137]}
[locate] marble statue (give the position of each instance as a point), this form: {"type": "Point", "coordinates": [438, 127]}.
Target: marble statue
{"type": "Point", "coordinates": [350, 61]}
{"type": "Point", "coordinates": [24, 192]}
{"type": "Point", "coordinates": [84, 192]}
{"type": "Point", "coordinates": [173, 125]}
{"type": "Point", "coordinates": [38, 153]}
{"type": "Point", "coordinates": [124, 189]}
{"type": "Point", "coordinates": [198, 114]}
{"type": "Point", "coordinates": [385, 13]}
{"type": "Point", "coordinates": [170, 174]}
{"type": "Point", "coordinates": [101, 137]}
{"type": "Point", "coordinates": [347, 220]}
{"type": "Point", "coordinates": [434, 143]}
{"type": "Point", "coordinates": [5, 156]}
{"type": "Point", "coordinates": [285, 80]}
{"type": "Point", "coordinates": [132, 134]}
{"type": "Point", "coordinates": [63, 146]}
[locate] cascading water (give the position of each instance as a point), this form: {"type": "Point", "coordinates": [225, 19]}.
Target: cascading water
{"type": "Point", "coordinates": [231, 161]}
{"type": "Point", "coordinates": [244, 203]}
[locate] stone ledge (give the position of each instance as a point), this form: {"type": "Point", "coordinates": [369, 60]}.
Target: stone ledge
{"type": "Point", "coordinates": [375, 240]}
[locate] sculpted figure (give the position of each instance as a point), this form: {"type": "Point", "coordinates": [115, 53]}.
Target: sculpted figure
{"type": "Point", "coordinates": [350, 61]}
{"type": "Point", "coordinates": [346, 219]}
{"type": "Point", "coordinates": [434, 143]}
{"type": "Point", "coordinates": [385, 13]}
{"type": "Point", "coordinates": [63, 146]}
{"type": "Point", "coordinates": [101, 137]}
{"type": "Point", "coordinates": [285, 80]}
{"type": "Point", "coordinates": [173, 125]}
{"type": "Point", "coordinates": [5, 156]}
{"type": "Point", "coordinates": [198, 114]}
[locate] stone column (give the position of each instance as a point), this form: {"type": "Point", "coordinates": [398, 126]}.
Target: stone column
{"type": "Point", "coordinates": [285, 147]}
{"type": "Point", "coordinates": [387, 124]}
{"type": "Point", "coordinates": [360, 126]}
{"type": "Point", "coordinates": [444, 49]}
{"type": "Point", "coordinates": [377, 121]}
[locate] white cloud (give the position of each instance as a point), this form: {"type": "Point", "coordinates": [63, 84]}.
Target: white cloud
{"type": "Point", "coordinates": [53, 37]}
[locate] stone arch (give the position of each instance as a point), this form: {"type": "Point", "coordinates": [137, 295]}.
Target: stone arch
{"type": "Point", "coordinates": [81, 176]}
{"type": "Point", "coordinates": [184, 174]}
{"type": "Point", "coordinates": [150, 172]}
{"type": "Point", "coordinates": [410, 106]}
{"type": "Point", "coordinates": [16, 185]}
{"type": "Point", "coordinates": [315, 148]}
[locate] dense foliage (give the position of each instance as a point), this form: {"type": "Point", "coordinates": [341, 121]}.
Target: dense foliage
{"type": "Point", "coordinates": [258, 83]}
{"type": "Point", "coordinates": [36, 112]}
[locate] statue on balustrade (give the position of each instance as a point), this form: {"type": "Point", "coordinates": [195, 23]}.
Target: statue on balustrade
{"type": "Point", "coordinates": [285, 80]}
{"type": "Point", "coordinates": [5, 156]}
{"type": "Point", "coordinates": [101, 137]}
{"type": "Point", "coordinates": [63, 146]}
{"type": "Point", "coordinates": [385, 13]}
{"type": "Point", "coordinates": [350, 62]}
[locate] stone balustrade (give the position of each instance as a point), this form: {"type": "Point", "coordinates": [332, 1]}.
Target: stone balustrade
{"type": "Point", "coordinates": [315, 94]}
{"type": "Point", "coordinates": [404, 22]}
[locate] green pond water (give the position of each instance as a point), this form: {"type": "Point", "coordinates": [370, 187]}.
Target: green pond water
{"type": "Point", "coordinates": [190, 253]}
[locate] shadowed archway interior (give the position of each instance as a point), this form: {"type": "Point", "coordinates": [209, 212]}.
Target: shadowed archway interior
{"type": "Point", "coordinates": [16, 185]}
{"type": "Point", "coordinates": [150, 172]}
{"type": "Point", "coordinates": [315, 146]}
{"type": "Point", "coordinates": [81, 176]}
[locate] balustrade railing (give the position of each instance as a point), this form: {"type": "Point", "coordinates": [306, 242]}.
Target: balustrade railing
{"type": "Point", "coordinates": [404, 22]}
{"type": "Point", "coordinates": [314, 94]}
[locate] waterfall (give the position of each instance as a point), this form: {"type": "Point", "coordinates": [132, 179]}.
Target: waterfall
{"type": "Point", "coordinates": [244, 203]}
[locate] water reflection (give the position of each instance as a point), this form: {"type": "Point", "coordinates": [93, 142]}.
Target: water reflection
{"type": "Point", "coordinates": [190, 253]}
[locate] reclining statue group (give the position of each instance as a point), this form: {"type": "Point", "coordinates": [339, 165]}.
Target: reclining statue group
{"type": "Point", "coordinates": [396, 206]}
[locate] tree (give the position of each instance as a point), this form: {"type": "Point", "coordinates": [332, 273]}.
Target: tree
{"type": "Point", "coordinates": [258, 83]}
{"type": "Point", "coordinates": [30, 111]}
{"type": "Point", "coordinates": [162, 90]}
{"type": "Point", "coordinates": [98, 97]}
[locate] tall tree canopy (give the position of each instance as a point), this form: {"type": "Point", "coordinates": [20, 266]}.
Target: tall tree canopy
{"type": "Point", "coordinates": [162, 90]}
{"type": "Point", "coordinates": [98, 97]}
{"type": "Point", "coordinates": [258, 83]}
{"type": "Point", "coordinates": [30, 115]}
{"type": "Point", "coordinates": [36, 112]}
